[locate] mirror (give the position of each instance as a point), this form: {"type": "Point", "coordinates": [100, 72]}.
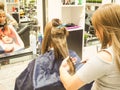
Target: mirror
{"type": "Point", "coordinates": [27, 10]}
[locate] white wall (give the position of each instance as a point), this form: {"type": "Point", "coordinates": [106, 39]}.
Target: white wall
{"type": "Point", "coordinates": [106, 1]}
{"type": "Point", "coordinates": [54, 10]}
{"type": "Point", "coordinates": [40, 14]}
{"type": "Point", "coordinates": [117, 1]}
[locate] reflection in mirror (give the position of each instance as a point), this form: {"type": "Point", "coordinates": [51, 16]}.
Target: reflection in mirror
{"type": "Point", "coordinates": [89, 35]}
{"type": "Point", "coordinates": [28, 10]}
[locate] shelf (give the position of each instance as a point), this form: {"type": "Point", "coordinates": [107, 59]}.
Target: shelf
{"type": "Point", "coordinates": [92, 41]}
{"type": "Point", "coordinates": [73, 29]}
{"type": "Point", "coordinates": [12, 3]}
{"type": "Point", "coordinates": [20, 52]}
{"type": "Point", "coordinates": [72, 5]}
{"type": "Point", "coordinates": [93, 4]}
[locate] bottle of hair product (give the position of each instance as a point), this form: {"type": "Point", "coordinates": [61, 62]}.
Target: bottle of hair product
{"type": "Point", "coordinates": [39, 41]}
{"type": "Point", "coordinates": [40, 37]}
{"type": "Point", "coordinates": [33, 42]}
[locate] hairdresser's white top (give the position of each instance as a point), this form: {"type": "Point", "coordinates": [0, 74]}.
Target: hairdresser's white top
{"type": "Point", "coordinates": [105, 74]}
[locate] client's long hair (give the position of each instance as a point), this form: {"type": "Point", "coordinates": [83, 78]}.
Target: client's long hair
{"type": "Point", "coordinates": [55, 36]}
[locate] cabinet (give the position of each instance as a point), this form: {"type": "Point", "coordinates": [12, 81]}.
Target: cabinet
{"type": "Point", "coordinates": [73, 14]}
{"type": "Point", "coordinates": [67, 13]}
{"type": "Point", "coordinates": [75, 41]}
{"type": "Point", "coordinates": [70, 14]}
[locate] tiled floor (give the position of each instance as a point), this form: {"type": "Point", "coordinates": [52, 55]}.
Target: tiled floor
{"type": "Point", "coordinates": [8, 74]}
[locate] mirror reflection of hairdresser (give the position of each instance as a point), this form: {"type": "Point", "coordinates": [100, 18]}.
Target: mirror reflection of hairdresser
{"type": "Point", "coordinates": [10, 19]}
{"type": "Point", "coordinates": [9, 39]}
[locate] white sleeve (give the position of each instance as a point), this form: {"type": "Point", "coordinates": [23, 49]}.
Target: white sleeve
{"type": "Point", "coordinates": [17, 36]}
{"type": "Point", "coordinates": [9, 17]}
{"type": "Point", "coordinates": [93, 69]}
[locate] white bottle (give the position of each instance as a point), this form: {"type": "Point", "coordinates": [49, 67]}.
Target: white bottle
{"type": "Point", "coordinates": [33, 42]}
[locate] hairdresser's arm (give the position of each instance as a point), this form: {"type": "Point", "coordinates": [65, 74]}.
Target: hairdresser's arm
{"type": "Point", "coordinates": [69, 82]}
{"type": "Point", "coordinates": [11, 20]}
{"type": "Point", "coordinates": [5, 48]}
{"type": "Point", "coordinates": [96, 67]}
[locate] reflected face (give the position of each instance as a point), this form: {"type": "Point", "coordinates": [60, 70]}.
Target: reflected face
{"type": "Point", "coordinates": [2, 17]}
{"type": "Point", "coordinates": [7, 39]}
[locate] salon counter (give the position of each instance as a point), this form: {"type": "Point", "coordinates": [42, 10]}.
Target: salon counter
{"type": "Point", "coordinates": [17, 56]}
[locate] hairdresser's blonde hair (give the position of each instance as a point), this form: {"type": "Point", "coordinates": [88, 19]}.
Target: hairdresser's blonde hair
{"type": "Point", "coordinates": [106, 22]}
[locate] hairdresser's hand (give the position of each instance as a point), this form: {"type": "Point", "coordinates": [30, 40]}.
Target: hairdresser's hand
{"type": "Point", "coordinates": [8, 48]}
{"type": "Point", "coordinates": [74, 59]}
{"type": "Point", "coordinates": [84, 60]}
{"type": "Point", "coordinates": [64, 65]}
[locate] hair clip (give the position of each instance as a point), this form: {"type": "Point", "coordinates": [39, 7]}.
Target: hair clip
{"type": "Point", "coordinates": [60, 26]}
